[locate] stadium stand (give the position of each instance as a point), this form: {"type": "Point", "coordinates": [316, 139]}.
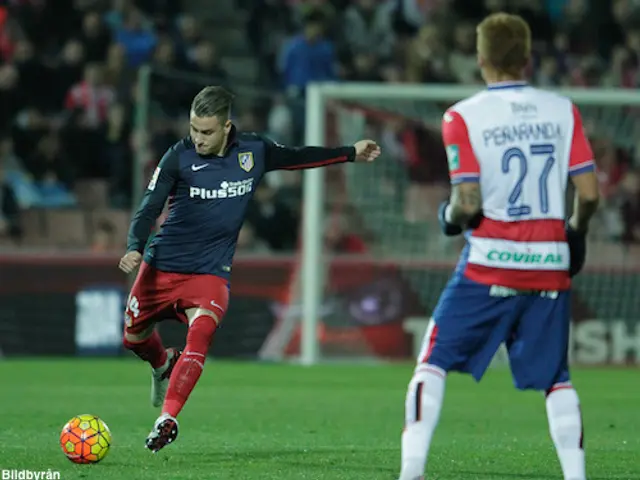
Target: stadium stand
{"type": "Point", "coordinates": [67, 92]}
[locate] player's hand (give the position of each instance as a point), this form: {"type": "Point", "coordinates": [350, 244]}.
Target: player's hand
{"type": "Point", "coordinates": [366, 150]}
{"type": "Point", "coordinates": [577, 242]}
{"type": "Point", "coordinates": [130, 262]}
{"type": "Point", "coordinates": [447, 228]}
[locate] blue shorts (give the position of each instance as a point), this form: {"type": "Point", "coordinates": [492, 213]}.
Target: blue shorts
{"type": "Point", "coordinates": [472, 320]}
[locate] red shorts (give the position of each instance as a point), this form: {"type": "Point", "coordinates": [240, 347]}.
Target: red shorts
{"type": "Point", "coordinates": [157, 296]}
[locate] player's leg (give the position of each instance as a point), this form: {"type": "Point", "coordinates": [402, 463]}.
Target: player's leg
{"type": "Point", "coordinates": [213, 293]}
{"type": "Point", "coordinates": [538, 354]}
{"type": "Point", "coordinates": [468, 327]}
{"type": "Point", "coordinates": [423, 405]}
{"type": "Point", "coordinates": [146, 301]}
{"type": "Point", "coordinates": [147, 345]}
{"type": "Point", "coordinates": [202, 327]}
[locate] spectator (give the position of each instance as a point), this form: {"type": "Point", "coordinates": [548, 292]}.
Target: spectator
{"type": "Point", "coordinates": [95, 37]}
{"type": "Point", "coordinates": [463, 59]}
{"type": "Point", "coordinates": [9, 209]}
{"type": "Point", "coordinates": [409, 16]}
{"type": "Point", "coordinates": [11, 96]}
{"type": "Point", "coordinates": [248, 242]}
{"type": "Point", "coordinates": [280, 123]}
{"type": "Point", "coordinates": [270, 22]}
{"type": "Point", "coordinates": [8, 34]}
{"type": "Point", "coordinates": [339, 238]}
{"type": "Point", "coordinates": [630, 207]}
{"type": "Point", "coordinates": [322, 8]}
{"type": "Point", "coordinates": [104, 238]}
{"type": "Point", "coordinates": [427, 57]}
{"type": "Point", "coordinates": [138, 41]}
{"type": "Point", "coordinates": [119, 157]}
{"type": "Point", "coordinates": [117, 73]}
{"type": "Point", "coordinates": [206, 61]}
{"type": "Point", "coordinates": [52, 173]}
{"type": "Point", "coordinates": [92, 97]}
{"type": "Point", "coordinates": [548, 74]}
{"type": "Point", "coordinates": [31, 72]}
{"type": "Point", "coordinates": [370, 30]}
{"type": "Point", "coordinates": [16, 176]}
{"type": "Point", "coordinates": [308, 57]}
{"type": "Point", "coordinates": [271, 220]}
{"type": "Point", "coordinates": [189, 36]}
{"type": "Point", "coordinates": [68, 70]}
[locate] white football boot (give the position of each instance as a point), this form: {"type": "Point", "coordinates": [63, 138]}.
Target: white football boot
{"type": "Point", "coordinates": [164, 432]}
{"type": "Point", "coordinates": [160, 377]}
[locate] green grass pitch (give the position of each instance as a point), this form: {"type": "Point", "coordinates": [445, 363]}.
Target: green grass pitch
{"type": "Point", "coordinates": [252, 421]}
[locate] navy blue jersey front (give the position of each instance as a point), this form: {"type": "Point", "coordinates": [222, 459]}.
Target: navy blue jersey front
{"type": "Point", "coordinates": [208, 197]}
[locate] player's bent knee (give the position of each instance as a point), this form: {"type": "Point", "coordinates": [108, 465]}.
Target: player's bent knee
{"type": "Point", "coordinates": [197, 312]}
{"type": "Point", "coordinates": [130, 338]}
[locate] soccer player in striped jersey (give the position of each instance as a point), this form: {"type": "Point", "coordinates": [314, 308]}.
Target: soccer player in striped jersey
{"type": "Point", "coordinates": [511, 149]}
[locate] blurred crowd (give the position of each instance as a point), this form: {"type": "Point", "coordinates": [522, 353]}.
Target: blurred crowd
{"type": "Point", "coordinates": [68, 90]}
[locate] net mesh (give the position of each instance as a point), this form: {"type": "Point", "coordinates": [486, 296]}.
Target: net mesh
{"type": "Point", "coordinates": [397, 199]}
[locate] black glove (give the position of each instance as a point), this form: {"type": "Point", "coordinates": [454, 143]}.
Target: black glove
{"type": "Point", "coordinates": [577, 242]}
{"type": "Point", "coordinates": [448, 229]}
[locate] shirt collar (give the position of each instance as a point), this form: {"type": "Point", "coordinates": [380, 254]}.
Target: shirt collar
{"type": "Point", "coordinates": [506, 85]}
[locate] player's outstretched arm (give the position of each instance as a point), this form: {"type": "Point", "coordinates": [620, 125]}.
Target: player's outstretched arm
{"type": "Point", "coordinates": [155, 197]}
{"type": "Point", "coordinates": [279, 157]}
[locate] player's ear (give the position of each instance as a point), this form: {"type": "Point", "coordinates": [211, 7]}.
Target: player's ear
{"type": "Point", "coordinates": [481, 61]}
{"type": "Point", "coordinates": [227, 126]}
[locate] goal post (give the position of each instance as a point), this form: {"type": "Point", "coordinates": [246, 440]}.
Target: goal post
{"type": "Point", "coordinates": [613, 113]}
{"type": "Point", "coordinates": [312, 286]}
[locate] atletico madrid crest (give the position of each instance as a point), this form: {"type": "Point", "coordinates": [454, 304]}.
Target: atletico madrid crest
{"type": "Point", "coordinates": [245, 160]}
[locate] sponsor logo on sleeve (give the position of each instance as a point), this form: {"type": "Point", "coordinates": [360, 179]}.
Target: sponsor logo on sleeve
{"type": "Point", "coordinates": [453, 157]}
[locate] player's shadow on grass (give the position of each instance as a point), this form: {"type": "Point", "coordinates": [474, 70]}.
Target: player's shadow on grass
{"type": "Point", "coordinates": [306, 459]}
{"type": "Point", "coordinates": [494, 475]}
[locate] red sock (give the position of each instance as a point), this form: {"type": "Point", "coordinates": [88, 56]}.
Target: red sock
{"type": "Point", "coordinates": [187, 371]}
{"type": "Point", "coordinates": [150, 349]}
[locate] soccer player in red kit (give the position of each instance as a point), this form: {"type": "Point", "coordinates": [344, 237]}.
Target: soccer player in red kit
{"type": "Point", "coordinates": [511, 150]}
{"type": "Point", "coordinates": [184, 273]}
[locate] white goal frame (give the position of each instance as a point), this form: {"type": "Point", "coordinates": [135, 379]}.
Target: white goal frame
{"type": "Point", "coordinates": [313, 277]}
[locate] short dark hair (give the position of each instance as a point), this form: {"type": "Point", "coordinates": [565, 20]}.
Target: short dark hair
{"type": "Point", "coordinates": [504, 41]}
{"type": "Point", "coordinates": [213, 101]}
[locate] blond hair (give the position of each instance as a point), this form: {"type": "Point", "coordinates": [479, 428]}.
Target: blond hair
{"type": "Point", "coordinates": [504, 42]}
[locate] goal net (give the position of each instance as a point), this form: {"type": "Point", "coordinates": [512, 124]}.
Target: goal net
{"type": "Point", "coordinates": [377, 304]}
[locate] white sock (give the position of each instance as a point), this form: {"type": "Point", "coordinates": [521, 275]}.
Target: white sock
{"type": "Point", "coordinates": [565, 425]}
{"type": "Point", "coordinates": [422, 412]}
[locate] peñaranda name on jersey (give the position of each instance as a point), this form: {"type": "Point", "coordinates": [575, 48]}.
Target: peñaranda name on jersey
{"type": "Point", "coordinates": [522, 132]}
{"type": "Point", "coordinates": [226, 190]}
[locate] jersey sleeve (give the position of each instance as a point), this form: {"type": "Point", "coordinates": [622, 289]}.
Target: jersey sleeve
{"type": "Point", "coordinates": [160, 186]}
{"type": "Point", "coordinates": [581, 155]}
{"type": "Point", "coordinates": [279, 157]}
{"type": "Point", "coordinates": [463, 164]}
